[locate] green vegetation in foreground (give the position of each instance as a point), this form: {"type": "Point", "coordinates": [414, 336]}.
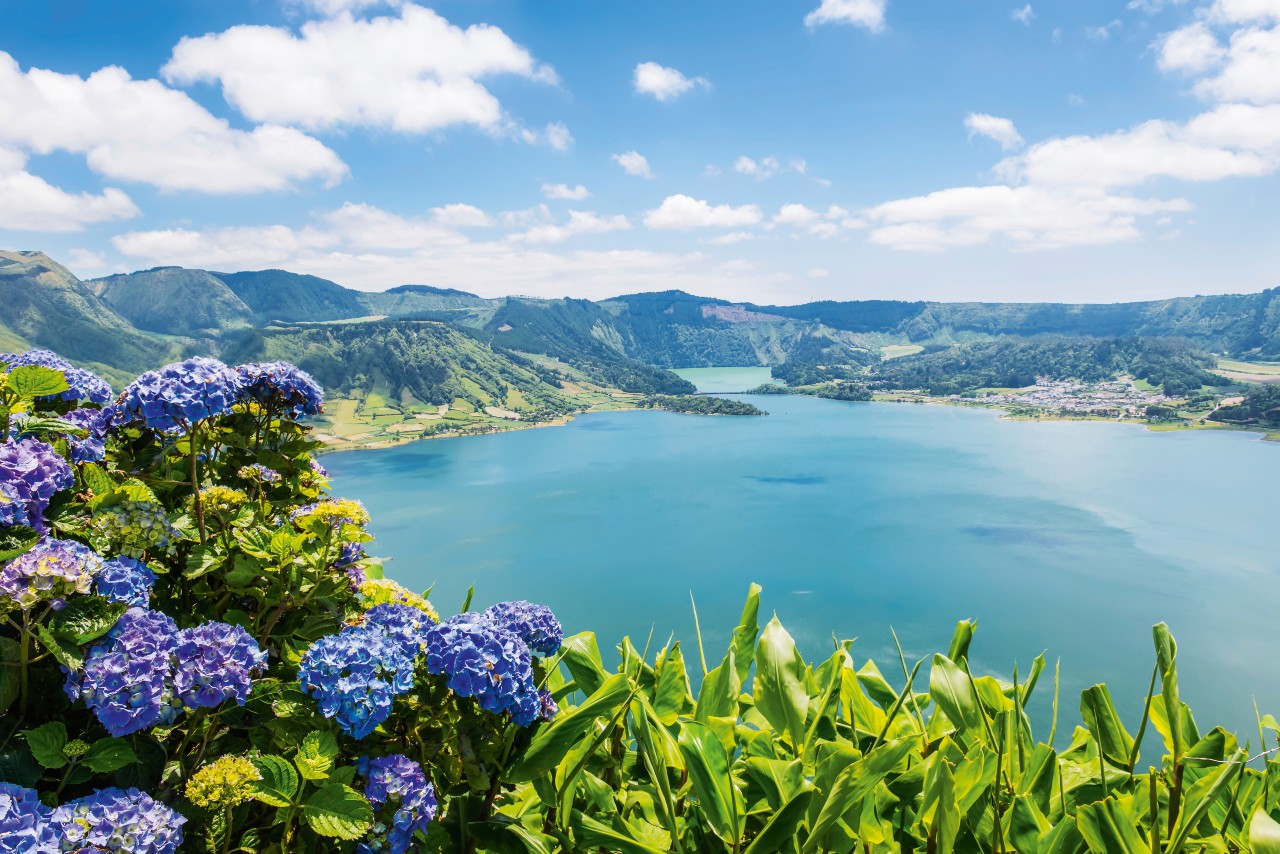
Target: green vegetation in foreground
{"type": "Point", "coordinates": [698, 404]}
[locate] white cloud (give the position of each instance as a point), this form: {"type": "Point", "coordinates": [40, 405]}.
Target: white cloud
{"type": "Point", "coordinates": [461, 216]}
{"type": "Point", "coordinates": [634, 163]}
{"type": "Point", "coordinates": [1193, 49]}
{"type": "Point", "coordinates": [732, 237]}
{"type": "Point", "coordinates": [685, 212]}
{"type": "Point", "coordinates": [862, 13]}
{"type": "Point", "coordinates": [555, 136]}
{"type": "Point", "coordinates": [1152, 7]}
{"type": "Point", "coordinates": [413, 73]}
{"type": "Point", "coordinates": [796, 214]}
{"type": "Point", "coordinates": [817, 273]}
{"type": "Point", "coordinates": [806, 220]}
{"type": "Point", "coordinates": [1251, 69]}
{"type": "Point", "coordinates": [140, 130]}
{"type": "Point", "coordinates": [993, 127]}
{"type": "Point", "coordinates": [563, 192]}
{"type": "Point", "coordinates": [767, 167]}
{"type": "Point", "coordinates": [1244, 11]}
{"type": "Point", "coordinates": [1024, 15]}
{"type": "Point", "coordinates": [1102, 33]}
{"type": "Point", "coordinates": [664, 83]}
{"type": "Point", "coordinates": [335, 7]}
{"type": "Point", "coordinates": [29, 203]}
{"type": "Point", "coordinates": [580, 222]}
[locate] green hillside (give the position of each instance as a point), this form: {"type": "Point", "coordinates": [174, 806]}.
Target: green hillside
{"type": "Point", "coordinates": [281, 295]}
{"type": "Point", "coordinates": [174, 301]}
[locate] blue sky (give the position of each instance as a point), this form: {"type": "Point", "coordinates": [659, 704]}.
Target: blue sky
{"type": "Point", "coordinates": [775, 151]}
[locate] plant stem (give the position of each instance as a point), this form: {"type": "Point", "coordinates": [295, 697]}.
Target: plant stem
{"type": "Point", "coordinates": [24, 658]}
{"type": "Point", "coordinates": [193, 439]}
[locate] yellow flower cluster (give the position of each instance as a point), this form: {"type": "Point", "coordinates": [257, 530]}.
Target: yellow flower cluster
{"type": "Point", "coordinates": [384, 591]}
{"type": "Point", "coordinates": [225, 782]}
{"type": "Point", "coordinates": [223, 498]}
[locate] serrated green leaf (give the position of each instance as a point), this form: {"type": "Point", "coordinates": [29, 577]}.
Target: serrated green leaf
{"type": "Point", "coordinates": [338, 811]}
{"type": "Point", "coordinates": [279, 783]}
{"type": "Point", "coordinates": [46, 743]}
{"type": "Point", "coordinates": [37, 381]}
{"type": "Point", "coordinates": [316, 755]}
{"type": "Point", "coordinates": [86, 618]}
{"type": "Point", "coordinates": [67, 654]}
{"type": "Point", "coordinates": [16, 540]}
{"type": "Point", "coordinates": [108, 754]}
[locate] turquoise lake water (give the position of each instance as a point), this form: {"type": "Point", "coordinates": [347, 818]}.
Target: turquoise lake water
{"type": "Point", "coordinates": [1070, 538]}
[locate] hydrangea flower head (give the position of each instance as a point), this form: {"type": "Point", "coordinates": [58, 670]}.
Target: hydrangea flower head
{"type": "Point", "coordinates": [384, 591]}
{"type": "Point", "coordinates": [258, 473]}
{"type": "Point", "coordinates": [349, 562]}
{"type": "Point", "coordinates": [125, 680]}
{"type": "Point", "coordinates": [333, 513]}
{"type": "Point", "coordinates": [119, 820]}
{"type": "Point", "coordinates": [283, 386]}
{"type": "Point", "coordinates": [81, 384]}
{"type": "Point", "coordinates": [215, 662]}
{"type": "Point", "coordinates": [225, 782]}
{"type": "Point", "coordinates": [355, 676]}
{"type": "Point", "coordinates": [34, 472]}
{"type": "Point", "coordinates": [124, 579]}
{"type": "Point", "coordinates": [182, 394]}
{"type": "Point", "coordinates": [405, 624]}
{"type": "Point", "coordinates": [90, 448]}
{"type": "Point", "coordinates": [24, 822]}
{"type": "Point", "coordinates": [223, 498]}
{"type": "Point", "coordinates": [399, 777]}
{"type": "Point", "coordinates": [133, 527]}
{"type": "Point", "coordinates": [482, 660]}
{"type": "Point", "coordinates": [532, 623]}
{"type": "Point", "coordinates": [49, 572]}
{"type": "Point", "coordinates": [13, 510]}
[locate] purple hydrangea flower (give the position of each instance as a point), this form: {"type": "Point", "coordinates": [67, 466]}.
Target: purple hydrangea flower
{"type": "Point", "coordinates": [532, 623]}
{"type": "Point", "coordinates": [81, 384]}
{"type": "Point", "coordinates": [355, 676]}
{"type": "Point", "coordinates": [215, 662]}
{"type": "Point", "coordinates": [547, 707]}
{"type": "Point", "coordinates": [125, 679]}
{"type": "Point", "coordinates": [283, 386]}
{"type": "Point", "coordinates": [397, 776]}
{"type": "Point", "coordinates": [24, 822]}
{"type": "Point", "coordinates": [35, 472]}
{"type": "Point", "coordinates": [119, 820]}
{"type": "Point", "coordinates": [95, 422]}
{"type": "Point", "coordinates": [348, 562]}
{"type": "Point", "coordinates": [404, 624]}
{"type": "Point", "coordinates": [181, 394]}
{"type": "Point", "coordinates": [480, 659]}
{"type": "Point", "coordinates": [51, 571]}
{"type": "Point", "coordinates": [259, 473]}
{"type": "Point", "coordinates": [13, 510]}
{"type": "Point", "coordinates": [124, 579]}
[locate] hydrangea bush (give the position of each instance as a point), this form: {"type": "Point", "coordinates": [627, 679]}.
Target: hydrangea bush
{"type": "Point", "coordinates": [199, 654]}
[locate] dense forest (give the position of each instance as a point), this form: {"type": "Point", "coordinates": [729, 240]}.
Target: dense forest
{"type": "Point", "coordinates": [699, 404]}
{"type": "Point", "coordinates": [1260, 407]}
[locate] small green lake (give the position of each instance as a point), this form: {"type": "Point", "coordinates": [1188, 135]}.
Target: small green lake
{"type": "Point", "coordinates": [1070, 538]}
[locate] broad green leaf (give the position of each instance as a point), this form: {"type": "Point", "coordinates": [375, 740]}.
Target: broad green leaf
{"type": "Point", "coordinates": [98, 481]}
{"type": "Point", "coordinates": [961, 639]}
{"type": "Point", "coordinates": [85, 618]}
{"type": "Point", "coordinates": [1108, 830]}
{"type": "Point", "coordinates": [950, 688]}
{"type": "Point", "coordinates": [279, 783]}
{"type": "Point", "coordinates": [718, 697]}
{"type": "Point", "coordinates": [551, 743]}
{"type": "Point", "coordinates": [46, 742]}
{"type": "Point", "coordinates": [67, 654]}
{"type": "Point", "coordinates": [37, 381]}
{"type": "Point", "coordinates": [1102, 719]}
{"type": "Point", "coordinates": [941, 809]}
{"type": "Point", "coordinates": [1200, 796]}
{"type": "Point", "coordinates": [782, 826]}
{"type": "Point", "coordinates": [592, 834]}
{"type": "Point", "coordinates": [713, 785]}
{"type": "Point", "coordinates": [338, 811]}
{"type": "Point", "coordinates": [1026, 824]}
{"type": "Point", "coordinates": [671, 695]}
{"type": "Point", "coordinates": [744, 636]}
{"type": "Point", "coordinates": [780, 693]}
{"type": "Point", "coordinates": [1166, 660]}
{"type": "Point", "coordinates": [581, 656]}
{"type": "Point", "coordinates": [1264, 833]}
{"type": "Point", "coordinates": [316, 755]}
{"type": "Point", "coordinates": [855, 783]}
{"type": "Point", "coordinates": [107, 755]}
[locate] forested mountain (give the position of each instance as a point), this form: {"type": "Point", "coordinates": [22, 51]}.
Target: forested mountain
{"type": "Point", "coordinates": [174, 301]}
{"type": "Point", "coordinates": [281, 295]}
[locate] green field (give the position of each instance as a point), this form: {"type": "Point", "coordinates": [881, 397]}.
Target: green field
{"type": "Point", "coordinates": [1258, 372]}
{"type": "Point", "coordinates": [895, 351]}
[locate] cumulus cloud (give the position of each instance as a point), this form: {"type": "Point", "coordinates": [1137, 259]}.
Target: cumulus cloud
{"type": "Point", "coordinates": [1244, 11]}
{"type": "Point", "coordinates": [580, 222]}
{"type": "Point", "coordinates": [461, 216]}
{"type": "Point", "coordinates": [664, 83]}
{"type": "Point", "coordinates": [1024, 15]}
{"type": "Point", "coordinates": [1250, 68]}
{"type": "Point", "coordinates": [29, 203]}
{"type": "Point", "coordinates": [634, 163]}
{"type": "Point", "coordinates": [555, 136]}
{"type": "Point", "coordinates": [1102, 33]}
{"type": "Point", "coordinates": [1192, 49]}
{"type": "Point", "coordinates": [993, 127]}
{"type": "Point", "coordinates": [767, 167]}
{"type": "Point", "coordinates": [565, 193]}
{"type": "Point", "coordinates": [683, 212]}
{"type": "Point", "coordinates": [141, 130]}
{"type": "Point", "coordinates": [412, 73]}
{"type": "Point", "coordinates": [862, 13]}
{"type": "Point", "coordinates": [336, 7]}
{"type": "Point", "coordinates": [806, 220]}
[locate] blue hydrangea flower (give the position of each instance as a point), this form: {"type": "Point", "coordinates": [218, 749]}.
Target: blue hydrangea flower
{"type": "Point", "coordinates": [547, 707]}
{"type": "Point", "coordinates": [404, 624]}
{"type": "Point", "coordinates": [348, 562]}
{"type": "Point", "coordinates": [181, 394]}
{"type": "Point", "coordinates": [81, 384]}
{"type": "Point", "coordinates": [124, 579]}
{"type": "Point", "coordinates": [49, 572]}
{"type": "Point", "coordinates": [35, 472]}
{"type": "Point", "coordinates": [282, 386]}
{"type": "Point", "coordinates": [95, 422]}
{"type": "Point", "coordinates": [214, 663]}
{"type": "Point", "coordinates": [355, 676]}
{"type": "Point", "coordinates": [119, 820]}
{"type": "Point", "coordinates": [13, 510]}
{"type": "Point", "coordinates": [532, 623]}
{"type": "Point", "coordinates": [482, 660]}
{"type": "Point", "coordinates": [24, 822]}
{"type": "Point", "coordinates": [125, 680]}
{"type": "Point", "coordinates": [399, 777]}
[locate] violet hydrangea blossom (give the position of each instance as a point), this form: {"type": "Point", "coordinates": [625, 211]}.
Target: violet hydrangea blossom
{"type": "Point", "coordinates": [52, 570]}
{"type": "Point", "coordinates": [282, 386]}
{"type": "Point", "coordinates": [126, 676]}
{"type": "Point", "coordinates": [534, 624]}
{"type": "Point", "coordinates": [118, 820]}
{"type": "Point", "coordinates": [24, 822]}
{"type": "Point", "coordinates": [483, 660]}
{"type": "Point", "coordinates": [355, 676]}
{"type": "Point", "coordinates": [404, 624]}
{"type": "Point", "coordinates": [215, 662]}
{"type": "Point", "coordinates": [13, 510]}
{"type": "Point", "coordinates": [90, 448]}
{"type": "Point", "coordinates": [125, 579]}
{"type": "Point", "coordinates": [400, 778]}
{"type": "Point", "coordinates": [81, 384]}
{"type": "Point", "coordinates": [181, 394]}
{"type": "Point", "coordinates": [34, 472]}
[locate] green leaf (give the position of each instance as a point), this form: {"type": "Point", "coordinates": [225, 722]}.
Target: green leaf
{"type": "Point", "coordinates": [1108, 830]}
{"type": "Point", "coordinates": [744, 636]}
{"type": "Point", "coordinates": [1264, 833]}
{"type": "Point", "coordinates": [46, 743]}
{"type": "Point", "coordinates": [338, 811]}
{"type": "Point", "coordinates": [1102, 719]}
{"type": "Point", "coordinates": [86, 618]}
{"type": "Point", "coordinates": [316, 755]}
{"type": "Point", "coordinates": [98, 481]}
{"type": "Point", "coordinates": [279, 783]}
{"type": "Point", "coordinates": [16, 540]}
{"type": "Point", "coordinates": [551, 743]}
{"type": "Point", "coordinates": [66, 653]}
{"type": "Point", "coordinates": [718, 697]}
{"type": "Point", "coordinates": [781, 828]}
{"type": "Point", "coordinates": [951, 689]}
{"type": "Point", "coordinates": [581, 656]}
{"type": "Point", "coordinates": [961, 639]}
{"type": "Point", "coordinates": [671, 693]}
{"type": "Point", "coordinates": [1201, 796]}
{"type": "Point", "coordinates": [37, 381]}
{"type": "Point", "coordinates": [592, 834]}
{"type": "Point", "coordinates": [108, 754]}
{"type": "Point", "coordinates": [941, 809]}
{"type": "Point", "coordinates": [853, 784]}
{"type": "Point", "coordinates": [713, 785]}
{"type": "Point", "coordinates": [780, 683]}
{"type": "Point", "coordinates": [1166, 660]}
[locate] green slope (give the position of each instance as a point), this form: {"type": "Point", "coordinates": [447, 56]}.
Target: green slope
{"type": "Point", "coordinates": [174, 301]}
{"type": "Point", "coordinates": [281, 295]}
